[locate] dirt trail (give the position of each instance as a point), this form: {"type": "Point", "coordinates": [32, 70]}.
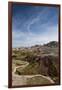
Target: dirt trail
{"type": "Point", "coordinates": [22, 66]}
{"type": "Point", "coordinates": [22, 79]}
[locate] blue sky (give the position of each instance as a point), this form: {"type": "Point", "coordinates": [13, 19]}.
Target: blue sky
{"type": "Point", "coordinates": [34, 25]}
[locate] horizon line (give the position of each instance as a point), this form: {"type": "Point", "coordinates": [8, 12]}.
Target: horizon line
{"type": "Point", "coordinates": [34, 45]}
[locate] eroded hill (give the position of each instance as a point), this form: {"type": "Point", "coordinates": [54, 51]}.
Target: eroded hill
{"type": "Point", "coordinates": [43, 59]}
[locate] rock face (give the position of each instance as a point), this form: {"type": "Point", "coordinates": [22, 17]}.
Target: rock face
{"type": "Point", "coordinates": [49, 65]}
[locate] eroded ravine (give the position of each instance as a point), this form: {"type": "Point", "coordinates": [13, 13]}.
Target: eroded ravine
{"type": "Point", "coordinates": [22, 79]}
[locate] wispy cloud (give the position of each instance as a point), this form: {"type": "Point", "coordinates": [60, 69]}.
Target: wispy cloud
{"type": "Point", "coordinates": [34, 25]}
{"type": "Point", "coordinates": [25, 39]}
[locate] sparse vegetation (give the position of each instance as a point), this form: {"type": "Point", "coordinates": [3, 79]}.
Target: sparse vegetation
{"type": "Point", "coordinates": [31, 69]}
{"type": "Point", "coordinates": [42, 60]}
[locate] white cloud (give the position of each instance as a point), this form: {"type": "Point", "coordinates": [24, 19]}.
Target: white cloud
{"type": "Point", "coordinates": [29, 38]}
{"type": "Point", "coordinates": [25, 39]}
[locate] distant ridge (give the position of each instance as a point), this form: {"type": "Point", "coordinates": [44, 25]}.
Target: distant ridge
{"type": "Point", "coordinates": [49, 44]}
{"type": "Point", "coordinates": [52, 44]}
